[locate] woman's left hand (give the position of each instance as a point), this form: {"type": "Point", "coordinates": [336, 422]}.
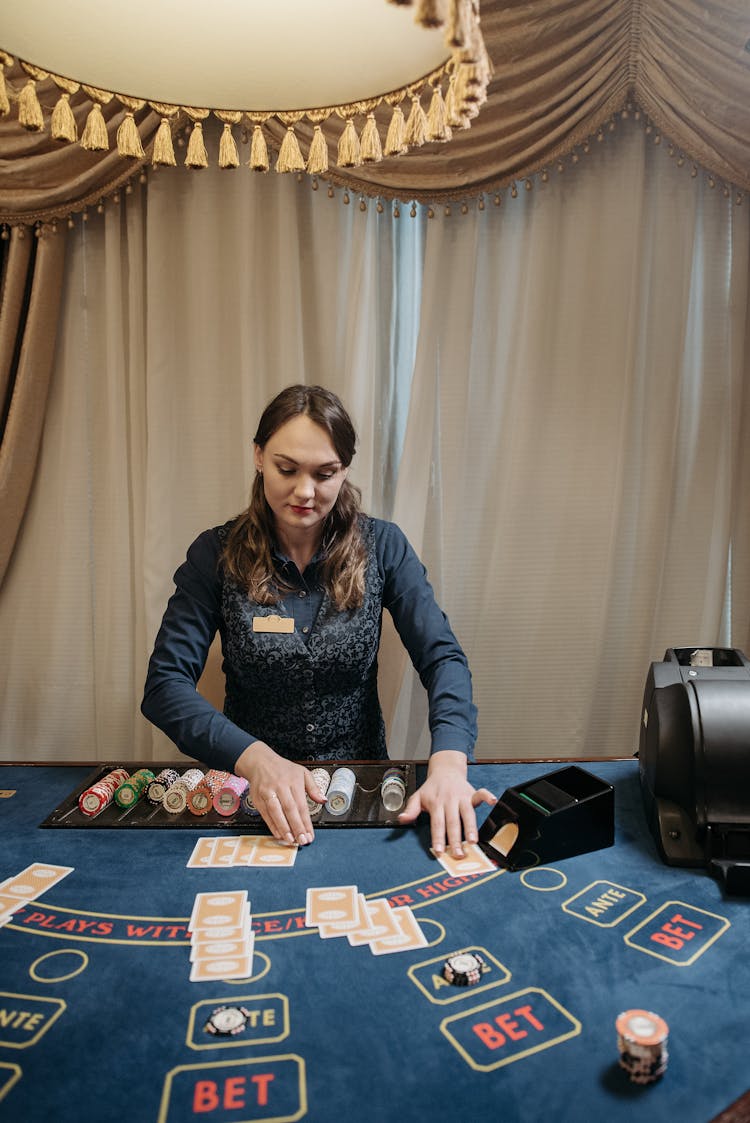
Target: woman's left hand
{"type": "Point", "coordinates": [449, 799]}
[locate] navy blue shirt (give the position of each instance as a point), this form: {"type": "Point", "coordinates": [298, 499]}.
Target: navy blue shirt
{"type": "Point", "coordinates": [198, 608]}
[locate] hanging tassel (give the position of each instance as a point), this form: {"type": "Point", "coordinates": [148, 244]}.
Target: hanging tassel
{"type": "Point", "coordinates": [95, 137]}
{"type": "Point", "coordinates": [290, 156]}
{"type": "Point", "coordinates": [394, 141]}
{"type": "Point", "coordinates": [163, 154]}
{"type": "Point", "coordinates": [129, 139]}
{"type": "Point", "coordinates": [454, 114]}
{"type": "Point", "coordinates": [458, 25]}
{"type": "Point", "coordinates": [5, 60]}
{"type": "Point", "coordinates": [431, 13]}
{"type": "Point", "coordinates": [258, 161]}
{"type": "Point", "coordinates": [63, 124]}
{"type": "Point", "coordinates": [370, 148]}
{"type": "Point", "coordinates": [317, 157]}
{"type": "Point", "coordinates": [229, 157]}
{"type": "Point", "coordinates": [196, 157]}
{"type": "Point", "coordinates": [416, 126]}
{"type": "Point", "coordinates": [30, 114]}
{"type": "Point", "coordinates": [437, 121]}
{"type": "Point", "coordinates": [349, 155]}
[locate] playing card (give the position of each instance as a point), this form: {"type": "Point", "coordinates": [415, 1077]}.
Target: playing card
{"type": "Point", "coordinates": [473, 861]}
{"type": "Point", "coordinates": [410, 935]}
{"type": "Point", "coordinates": [218, 910]}
{"type": "Point", "coordinates": [33, 881]}
{"type": "Point", "coordinates": [332, 904]}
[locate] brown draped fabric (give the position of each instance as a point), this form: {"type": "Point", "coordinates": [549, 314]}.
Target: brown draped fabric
{"type": "Point", "coordinates": [31, 278]}
{"type": "Point", "coordinates": [564, 69]}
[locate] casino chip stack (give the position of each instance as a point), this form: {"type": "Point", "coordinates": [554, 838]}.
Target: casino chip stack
{"type": "Point", "coordinates": [175, 799]}
{"type": "Point", "coordinates": [227, 798]}
{"type": "Point", "coordinates": [201, 799]}
{"type": "Point", "coordinates": [642, 1042]}
{"type": "Point", "coordinates": [131, 790]}
{"type": "Point", "coordinates": [322, 783]}
{"type": "Point", "coordinates": [464, 969]}
{"type": "Point", "coordinates": [227, 1021]}
{"type": "Point", "coordinates": [157, 789]}
{"type": "Point", "coordinates": [101, 794]}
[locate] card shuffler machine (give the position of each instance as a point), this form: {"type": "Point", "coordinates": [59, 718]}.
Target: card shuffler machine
{"type": "Point", "coordinates": [694, 761]}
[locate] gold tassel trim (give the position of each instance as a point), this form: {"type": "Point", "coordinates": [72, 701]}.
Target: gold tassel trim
{"type": "Point", "coordinates": [63, 124]}
{"type": "Point", "coordinates": [290, 156]}
{"type": "Point", "coordinates": [258, 161]}
{"type": "Point", "coordinates": [437, 118]}
{"type": "Point", "coordinates": [317, 157]}
{"type": "Point", "coordinates": [196, 157]}
{"type": "Point", "coordinates": [432, 13]}
{"type": "Point", "coordinates": [95, 137]}
{"type": "Point", "coordinates": [229, 157]}
{"type": "Point", "coordinates": [394, 141]}
{"type": "Point", "coordinates": [370, 148]}
{"type": "Point", "coordinates": [129, 139]}
{"type": "Point", "coordinates": [349, 154]}
{"type": "Point", "coordinates": [5, 60]}
{"type": "Point", "coordinates": [416, 127]}
{"type": "Point", "coordinates": [163, 153]}
{"type": "Point", "coordinates": [30, 114]}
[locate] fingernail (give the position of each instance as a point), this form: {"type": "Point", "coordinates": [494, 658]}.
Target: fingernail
{"type": "Point", "coordinates": [438, 850]}
{"type": "Point", "coordinates": [289, 837]}
{"type": "Point", "coordinates": [303, 840]}
{"type": "Point", "coordinates": [458, 851]}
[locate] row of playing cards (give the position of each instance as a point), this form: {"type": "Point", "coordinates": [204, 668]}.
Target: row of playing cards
{"type": "Point", "coordinates": [242, 850]}
{"type": "Point", "coordinates": [221, 937]}
{"type": "Point", "coordinates": [27, 886]}
{"type": "Point", "coordinates": [341, 910]}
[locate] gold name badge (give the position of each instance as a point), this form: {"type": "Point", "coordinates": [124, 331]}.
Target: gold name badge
{"type": "Point", "coordinates": [278, 624]}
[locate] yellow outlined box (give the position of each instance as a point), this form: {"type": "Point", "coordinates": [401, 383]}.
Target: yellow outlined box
{"type": "Point", "coordinates": [660, 951]}
{"type": "Point", "coordinates": [28, 1002]}
{"type": "Point", "coordinates": [457, 1027]}
{"type": "Point", "coordinates": [274, 1003]}
{"type": "Point", "coordinates": [10, 1074]}
{"type": "Point", "coordinates": [497, 976]}
{"type": "Point", "coordinates": [286, 1061]}
{"type": "Point", "coordinates": [611, 900]}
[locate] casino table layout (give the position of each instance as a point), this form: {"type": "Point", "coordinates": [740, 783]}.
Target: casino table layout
{"type": "Point", "coordinates": [99, 1020]}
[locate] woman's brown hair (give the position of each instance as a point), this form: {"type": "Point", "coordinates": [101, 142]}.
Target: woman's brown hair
{"type": "Point", "coordinates": [247, 553]}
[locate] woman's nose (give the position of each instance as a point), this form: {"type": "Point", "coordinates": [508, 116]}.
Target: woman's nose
{"type": "Point", "coordinates": [304, 486]}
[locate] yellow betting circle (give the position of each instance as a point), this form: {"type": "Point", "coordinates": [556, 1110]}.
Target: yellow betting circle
{"type": "Point", "coordinates": [543, 888]}
{"type": "Point", "coordinates": [59, 978]}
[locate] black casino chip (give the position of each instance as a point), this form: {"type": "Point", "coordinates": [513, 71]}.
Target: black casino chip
{"type": "Point", "coordinates": [227, 1021]}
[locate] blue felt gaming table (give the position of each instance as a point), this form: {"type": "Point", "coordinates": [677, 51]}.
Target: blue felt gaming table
{"type": "Point", "coordinates": [99, 1022]}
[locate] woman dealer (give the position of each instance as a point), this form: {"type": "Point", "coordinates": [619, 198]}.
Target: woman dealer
{"type": "Point", "coordinates": [296, 586]}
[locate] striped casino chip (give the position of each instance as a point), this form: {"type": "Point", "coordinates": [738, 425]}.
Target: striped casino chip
{"type": "Point", "coordinates": [227, 798]}
{"type": "Point", "coordinates": [129, 792]}
{"type": "Point", "coordinates": [322, 782]}
{"type": "Point", "coordinates": [157, 788]}
{"type": "Point", "coordinates": [464, 969]}
{"type": "Point", "coordinates": [642, 1038]}
{"type": "Point", "coordinates": [100, 795]}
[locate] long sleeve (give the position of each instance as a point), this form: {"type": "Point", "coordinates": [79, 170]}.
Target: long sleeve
{"type": "Point", "coordinates": [427, 636]}
{"type": "Point", "coordinates": [171, 700]}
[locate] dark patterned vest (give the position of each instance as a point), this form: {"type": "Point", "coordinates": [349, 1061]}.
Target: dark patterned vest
{"type": "Point", "coordinates": [309, 697]}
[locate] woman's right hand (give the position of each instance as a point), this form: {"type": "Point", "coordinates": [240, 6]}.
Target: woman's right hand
{"type": "Point", "coordinates": [279, 789]}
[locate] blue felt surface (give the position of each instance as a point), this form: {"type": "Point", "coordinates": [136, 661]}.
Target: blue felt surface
{"type": "Point", "coordinates": [356, 1037]}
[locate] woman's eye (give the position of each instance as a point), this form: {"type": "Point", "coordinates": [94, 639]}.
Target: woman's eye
{"type": "Point", "coordinates": [326, 475]}
{"type": "Point", "coordinates": [286, 471]}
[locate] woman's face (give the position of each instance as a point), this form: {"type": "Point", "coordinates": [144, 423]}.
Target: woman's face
{"type": "Point", "coordinates": [302, 476]}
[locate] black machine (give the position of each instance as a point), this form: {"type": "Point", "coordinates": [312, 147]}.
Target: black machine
{"type": "Point", "coordinates": [694, 757]}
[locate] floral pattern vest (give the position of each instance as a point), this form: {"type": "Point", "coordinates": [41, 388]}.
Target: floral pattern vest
{"type": "Point", "coordinates": [309, 697]}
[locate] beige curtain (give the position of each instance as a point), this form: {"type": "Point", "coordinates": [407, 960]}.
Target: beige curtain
{"type": "Point", "coordinates": [31, 278]}
{"type": "Point", "coordinates": [551, 398]}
